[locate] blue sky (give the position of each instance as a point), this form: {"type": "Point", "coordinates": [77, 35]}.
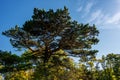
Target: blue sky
{"type": "Point", "coordinates": [104, 13]}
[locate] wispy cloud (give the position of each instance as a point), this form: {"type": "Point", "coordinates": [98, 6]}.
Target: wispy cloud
{"type": "Point", "coordinates": [85, 7]}
{"type": "Point", "coordinates": [106, 20]}
{"type": "Point", "coordinates": [115, 19]}
{"type": "Point", "coordinates": [95, 15]}
{"type": "Point", "coordinates": [88, 7]}
{"type": "Point", "coordinates": [79, 9]}
{"type": "Point", "coordinates": [100, 16]}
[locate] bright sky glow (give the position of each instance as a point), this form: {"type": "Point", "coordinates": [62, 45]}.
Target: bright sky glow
{"type": "Point", "coordinates": [104, 13]}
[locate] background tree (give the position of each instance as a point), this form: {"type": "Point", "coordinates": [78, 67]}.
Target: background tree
{"type": "Point", "coordinates": [12, 65]}
{"type": "Point", "coordinates": [8, 61]}
{"type": "Point", "coordinates": [11, 61]}
{"type": "Point", "coordinates": [110, 67]}
{"type": "Point", "coordinates": [113, 63]}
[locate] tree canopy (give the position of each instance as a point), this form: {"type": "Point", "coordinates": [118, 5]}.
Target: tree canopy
{"type": "Point", "coordinates": [49, 31]}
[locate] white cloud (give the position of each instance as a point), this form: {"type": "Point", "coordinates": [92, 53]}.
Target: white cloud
{"type": "Point", "coordinates": [100, 16]}
{"type": "Point", "coordinates": [85, 7]}
{"type": "Point", "coordinates": [115, 19]}
{"type": "Point", "coordinates": [95, 15]}
{"type": "Point", "coordinates": [80, 6]}
{"type": "Point", "coordinates": [88, 7]}
{"type": "Point", "coordinates": [103, 20]}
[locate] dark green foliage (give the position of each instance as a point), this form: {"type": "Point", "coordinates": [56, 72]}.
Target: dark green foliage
{"type": "Point", "coordinates": [6, 58]}
{"type": "Point", "coordinates": [11, 62]}
{"type": "Point", "coordinates": [113, 62]}
{"type": "Point", "coordinates": [50, 31]}
{"type": "Point", "coordinates": [110, 67]}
